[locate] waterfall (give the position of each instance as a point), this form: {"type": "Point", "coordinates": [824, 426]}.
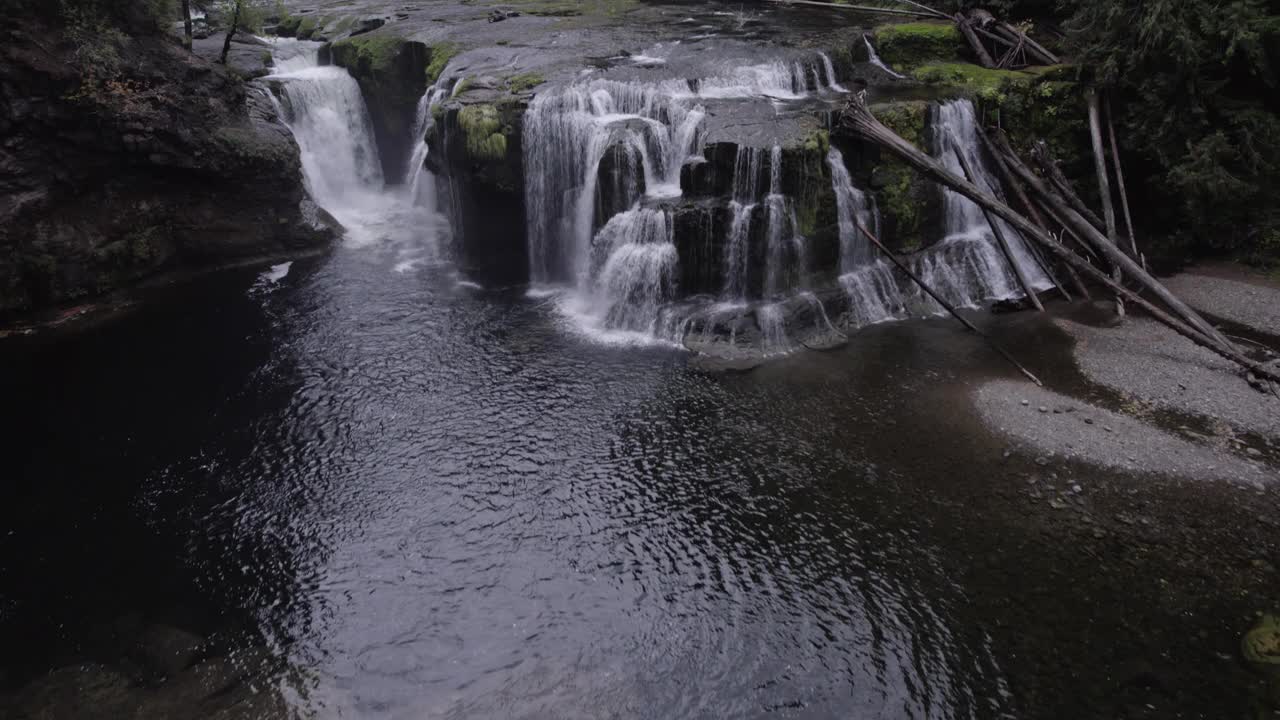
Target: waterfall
{"type": "Point", "coordinates": [633, 262]}
{"type": "Point", "coordinates": [323, 107]}
{"type": "Point", "coordinates": [746, 191]}
{"type": "Point", "coordinates": [967, 266]}
{"type": "Point", "coordinates": [874, 59]}
{"type": "Point", "coordinates": [854, 207]}
{"type": "Point", "coordinates": [566, 135]}
{"type": "Point", "coordinates": [831, 73]}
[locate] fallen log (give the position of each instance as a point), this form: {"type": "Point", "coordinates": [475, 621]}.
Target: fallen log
{"type": "Point", "coordinates": [943, 302]}
{"type": "Point", "coordinates": [1001, 240]}
{"type": "Point", "coordinates": [1088, 232]}
{"type": "Point", "coordinates": [1035, 49]}
{"type": "Point", "coordinates": [857, 119]}
{"type": "Point", "coordinates": [1100, 163]}
{"type": "Point", "coordinates": [1012, 185]}
{"type": "Point", "coordinates": [1049, 168]}
{"type": "Point", "coordinates": [984, 58]}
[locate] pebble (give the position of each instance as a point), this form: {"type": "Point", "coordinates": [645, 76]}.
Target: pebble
{"type": "Point", "coordinates": [1255, 452]}
{"type": "Point", "coordinates": [1076, 489]}
{"type": "Point", "coordinates": [1088, 421]}
{"type": "Point", "coordinates": [1026, 402]}
{"type": "Point", "coordinates": [1107, 428]}
{"type": "Point", "coordinates": [1044, 409]}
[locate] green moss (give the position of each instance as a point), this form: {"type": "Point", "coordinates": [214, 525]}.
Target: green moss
{"type": "Point", "coordinates": [907, 119]}
{"type": "Point", "coordinates": [306, 27]}
{"type": "Point", "coordinates": [344, 24]}
{"type": "Point", "coordinates": [909, 44]}
{"type": "Point", "coordinates": [524, 82]}
{"type": "Point", "coordinates": [288, 25]}
{"type": "Point", "coordinates": [439, 56]}
{"type": "Point", "coordinates": [898, 199]}
{"type": "Point", "coordinates": [1261, 644]}
{"type": "Point", "coordinates": [819, 142]}
{"type": "Point", "coordinates": [986, 83]}
{"type": "Point", "coordinates": [463, 85]}
{"type": "Point", "coordinates": [482, 127]}
{"type": "Point", "coordinates": [368, 54]}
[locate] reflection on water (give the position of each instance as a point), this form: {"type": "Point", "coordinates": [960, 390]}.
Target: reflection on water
{"type": "Point", "coordinates": [435, 502]}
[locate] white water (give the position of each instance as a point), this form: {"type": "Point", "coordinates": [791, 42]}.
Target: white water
{"type": "Point", "coordinates": [854, 207]}
{"type": "Point", "coordinates": [324, 109]}
{"type": "Point", "coordinates": [967, 266]}
{"type": "Point", "coordinates": [747, 165]}
{"type": "Point", "coordinates": [874, 59]}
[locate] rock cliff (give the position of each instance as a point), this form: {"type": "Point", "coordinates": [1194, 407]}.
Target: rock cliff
{"type": "Point", "coordinates": [126, 156]}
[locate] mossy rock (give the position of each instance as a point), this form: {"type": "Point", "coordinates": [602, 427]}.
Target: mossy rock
{"type": "Point", "coordinates": [439, 56]}
{"type": "Point", "coordinates": [368, 55]}
{"type": "Point", "coordinates": [525, 82]}
{"type": "Point", "coordinates": [982, 82]}
{"type": "Point", "coordinates": [907, 45]}
{"type": "Point", "coordinates": [908, 119]}
{"type": "Point", "coordinates": [1261, 645]}
{"type": "Point", "coordinates": [483, 129]}
{"type": "Point", "coordinates": [306, 27]}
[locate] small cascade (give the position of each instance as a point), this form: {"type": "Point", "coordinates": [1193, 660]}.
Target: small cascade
{"type": "Point", "coordinates": [967, 264]}
{"type": "Point", "coordinates": [874, 59]}
{"type": "Point", "coordinates": [781, 231]}
{"type": "Point", "coordinates": [854, 207]}
{"type": "Point", "coordinates": [832, 82]}
{"type": "Point", "coordinates": [567, 135]}
{"type": "Point", "coordinates": [747, 165]}
{"type": "Point", "coordinates": [874, 294]}
{"type": "Point", "coordinates": [420, 181]}
{"type": "Point", "coordinates": [633, 264]}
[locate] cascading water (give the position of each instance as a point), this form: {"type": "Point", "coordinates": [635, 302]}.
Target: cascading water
{"type": "Point", "coordinates": [967, 266]}
{"type": "Point", "coordinates": [746, 182]}
{"type": "Point", "coordinates": [874, 58]}
{"type": "Point", "coordinates": [633, 262]}
{"type": "Point", "coordinates": [781, 233]}
{"type": "Point", "coordinates": [874, 295]}
{"type": "Point", "coordinates": [323, 107]}
{"type": "Point", "coordinates": [854, 208]}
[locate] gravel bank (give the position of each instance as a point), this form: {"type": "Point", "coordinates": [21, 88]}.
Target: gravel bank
{"type": "Point", "coordinates": [1255, 305]}
{"type": "Point", "coordinates": [1144, 360]}
{"type": "Point", "coordinates": [1060, 427]}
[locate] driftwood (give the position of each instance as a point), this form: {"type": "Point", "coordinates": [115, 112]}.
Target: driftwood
{"type": "Point", "coordinates": [1033, 48]}
{"type": "Point", "coordinates": [1001, 240]}
{"type": "Point", "coordinates": [942, 301]}
{"type": "Point", "coordinates": [1124, 196]}
{"type": "Point", "coordinates": [857, 119]}
{"type": "Point", "coordinates": [1049, 169]}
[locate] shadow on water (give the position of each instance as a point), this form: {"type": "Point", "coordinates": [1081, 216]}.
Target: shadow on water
{"type": "Point", "coordinates": [428, 499]}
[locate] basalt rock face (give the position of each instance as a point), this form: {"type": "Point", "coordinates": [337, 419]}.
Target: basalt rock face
{"type": "Point", "coordinates": [390, 72]}
{"type": "Point", "coordinates": [166, 162]}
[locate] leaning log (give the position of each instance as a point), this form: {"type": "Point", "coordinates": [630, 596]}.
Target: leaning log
{"type": "Point", "coordinates": [1124, 196]}
{"type": "Point", "coordinates": [1013, 186]}
{"type": "Point", "coordinates": [966, 29]}
{"type": "Point", "coordinates": [1100, 164]}
{"type": "Point", "coordinates": [1001, 240]}
{"type": "Point", "coordinates": [943, 302]}
{"type": "Point", "coordinates": [857, 119]}
{"type": "Point", "coordinates": [856, 8]}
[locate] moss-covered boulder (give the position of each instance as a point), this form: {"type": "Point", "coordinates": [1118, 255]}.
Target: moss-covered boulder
{"type": "Point", "coordinates": [909, 204]}
{"type": "Point", "coordinates": [389, 71]}
{"type": "Point", "coordinates": [906, 45]}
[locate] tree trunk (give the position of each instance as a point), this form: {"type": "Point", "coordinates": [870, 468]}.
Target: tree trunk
{"type": "Point", "coordinates": [946, 305]}
{"type": "Point", "coordinates": [1001, 240]}
{"type": "Point", "coordinates": [984, 58]}
{"type": "Point", "coordinates": [857, 119]}
{"type": "Point", "coordinates": [1013, 186]}
{"type": "Point", "coordinates": [1124, 196]}
{"type": "Point", "coordinates": [1100, 165]}
{"type": "Point", "coordinates": [231, 32]}
{"type": "Point", "coordinates": [186, 24]}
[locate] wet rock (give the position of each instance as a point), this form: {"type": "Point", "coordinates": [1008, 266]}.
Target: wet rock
{"type": "Point", "coordinates": [367, 24]}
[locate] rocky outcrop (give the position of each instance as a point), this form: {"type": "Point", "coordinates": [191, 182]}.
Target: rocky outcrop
{"type": "Point", "coordinates": [127, 156]}
{"type": "Point", "coordinates": [390, 71]}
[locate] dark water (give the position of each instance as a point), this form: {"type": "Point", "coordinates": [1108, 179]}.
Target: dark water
{"type": "Point", "coordinates": [388, 496]}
